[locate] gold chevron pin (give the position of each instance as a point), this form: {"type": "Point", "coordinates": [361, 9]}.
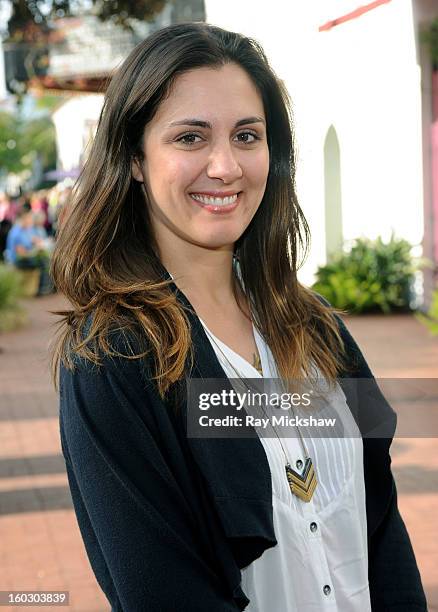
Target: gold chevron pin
{"type": "Point", "coordinates": [302, 485]}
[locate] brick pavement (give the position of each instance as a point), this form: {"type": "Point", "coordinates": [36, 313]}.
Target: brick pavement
{"type": "Point", "coordinates": [41, 547]}
{"type": "Point", "coordinates": [399, 347]}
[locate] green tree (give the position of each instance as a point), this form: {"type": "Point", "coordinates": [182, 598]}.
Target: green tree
{"type": "Point", "coordinates": [21, 141]}
{"type": "Point", "coordinates": [38, 137]}
{"type": "Point", "coordinates": [10, 152]}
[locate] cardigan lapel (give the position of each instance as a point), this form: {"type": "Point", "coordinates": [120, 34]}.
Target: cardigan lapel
{"type": "Point", "coordinates": [236, 470]}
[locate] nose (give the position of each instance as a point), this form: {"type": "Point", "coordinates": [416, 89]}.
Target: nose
{"type": "Point", "coordinates": [223, 163]}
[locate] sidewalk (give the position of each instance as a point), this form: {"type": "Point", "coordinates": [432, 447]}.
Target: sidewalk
{"type": "Point", "coordinates": [399, 347]}
{"type": "Point", "coordinates": [41, 548]}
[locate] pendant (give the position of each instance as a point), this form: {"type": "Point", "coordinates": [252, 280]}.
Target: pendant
{"type": "Point", "coordinates": [303, 485]}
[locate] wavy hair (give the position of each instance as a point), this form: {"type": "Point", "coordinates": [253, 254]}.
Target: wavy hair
{"type": "Point", "coordinates": [106, 263]}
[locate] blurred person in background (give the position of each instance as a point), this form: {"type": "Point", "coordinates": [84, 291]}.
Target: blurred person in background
{"type": "Point", "coordinates": [52, 199]}
{"type": "Point", "coordinates": [40, 204]}
{"type": "Point", "coordinates": [21, 243]}
{"type": "Point", "coordinates": [40, 223]}
{"type": "Point", "coordinates": [58, 199]}
{"type": "Point", "coordinates": [9, 207]}
{"type": "Point", "coordinates": [6, 220]}
{"type": "Point", "coordinates": [39, 228]}
{"type": "Point", "coordinates": [5, 207]}
{"type": "Point", "coordinates": [23, 203]}
{"type": "Point", "coordinates": [26, 247]}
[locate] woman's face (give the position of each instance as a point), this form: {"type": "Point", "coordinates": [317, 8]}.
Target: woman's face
{"type": "Point", "coordinates": [206, 159]}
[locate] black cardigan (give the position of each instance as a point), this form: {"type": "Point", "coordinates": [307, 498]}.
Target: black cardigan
{"type": "Point", "coordinates": [168, 521]}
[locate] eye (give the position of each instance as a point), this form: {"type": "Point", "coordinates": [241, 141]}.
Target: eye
{"type": "Point", "coordinates": [243, 137]}
{"type": "Point", "coordinates": [188, 139]}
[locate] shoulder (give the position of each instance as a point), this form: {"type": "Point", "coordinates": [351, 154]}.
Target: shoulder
{"type": "Point", "coordinates": [109, 396]}
{"type": "Point", "coordinates": [116, 359]}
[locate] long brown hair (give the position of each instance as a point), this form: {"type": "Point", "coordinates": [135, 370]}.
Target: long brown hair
{"type": "Point", "coordinates": [105, 258]}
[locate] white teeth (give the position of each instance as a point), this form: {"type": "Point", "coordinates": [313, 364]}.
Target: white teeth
{"type": "Point", "coordinates": [214, 201]}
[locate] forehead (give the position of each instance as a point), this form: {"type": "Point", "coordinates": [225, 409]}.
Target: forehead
{"type": "Point", "coordinates": [227, 91]}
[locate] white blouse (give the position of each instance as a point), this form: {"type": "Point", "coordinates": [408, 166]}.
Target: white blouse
{"type": "Point", "coordinates": [321, 560]}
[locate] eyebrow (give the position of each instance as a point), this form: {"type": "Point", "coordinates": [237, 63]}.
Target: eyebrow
{"type": "Point", "coordinates": [206, 124]}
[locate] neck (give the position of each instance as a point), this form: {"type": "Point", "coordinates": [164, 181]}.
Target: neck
{"type": "Point", "coordinates": [204, 275]}
{"type": "Point", "coordinates": [209, 277]}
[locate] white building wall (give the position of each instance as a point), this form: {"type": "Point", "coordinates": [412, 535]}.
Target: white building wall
{"type": "Point", "coordinates": [75, 122]}
{"type": "Point", "coordinates": [361, 77]}
{"type": "Point", "coordinates": [425, 11]}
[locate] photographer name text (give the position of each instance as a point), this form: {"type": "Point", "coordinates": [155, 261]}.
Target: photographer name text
{"type": "Point", "coordinates": [264, 422]}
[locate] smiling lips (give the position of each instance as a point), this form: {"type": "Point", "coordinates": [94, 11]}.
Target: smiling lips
{"type": "Point", "coordinates": [214, 200]}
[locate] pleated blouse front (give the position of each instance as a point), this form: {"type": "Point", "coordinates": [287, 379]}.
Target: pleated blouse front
{"type": "Point", "coordinates": [321, 560]}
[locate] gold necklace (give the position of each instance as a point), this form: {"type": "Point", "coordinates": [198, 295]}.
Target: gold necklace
{"type": "Point", "coordinates": [302, 485]}
{"type": "Point", "coordinates": [257, 363]}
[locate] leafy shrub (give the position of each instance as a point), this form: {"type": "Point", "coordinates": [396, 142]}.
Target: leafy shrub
{"type": "Point", "coordinates": [372, 276]}
{"type": "Point", "coordinates": [430, 320]}
{"type": "Point", "coordinates": [11, 313]}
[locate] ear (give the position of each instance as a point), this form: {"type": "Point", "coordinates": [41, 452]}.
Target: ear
{"type": "Point", "coordinates": [136, 170]}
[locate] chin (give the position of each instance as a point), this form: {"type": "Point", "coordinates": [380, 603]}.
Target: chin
{"type": "Point", "coordinates": [215, 245]}
{"type": "Point", "coordinates": [224, 241]}
{"type": "Point", "coordinates": [217, 237]}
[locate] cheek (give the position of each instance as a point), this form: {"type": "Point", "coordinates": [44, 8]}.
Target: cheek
{"type": "Point", "coordinates": [258, 169]}
{"type": "Point", "coordinates": [173, 173]}
{"type": "Point", "coordinates": [265, 163]}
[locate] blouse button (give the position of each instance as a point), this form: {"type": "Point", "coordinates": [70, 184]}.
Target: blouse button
{"type": "Point", "coordinates": [327, 590]}
{"type": "Point", "coordinates": [299, 464]}
{"type": "Point", "coordinates": [313, 527]}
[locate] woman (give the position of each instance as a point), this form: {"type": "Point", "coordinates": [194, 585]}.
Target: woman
{"type": "Point", "coordinates": [179, 257]}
